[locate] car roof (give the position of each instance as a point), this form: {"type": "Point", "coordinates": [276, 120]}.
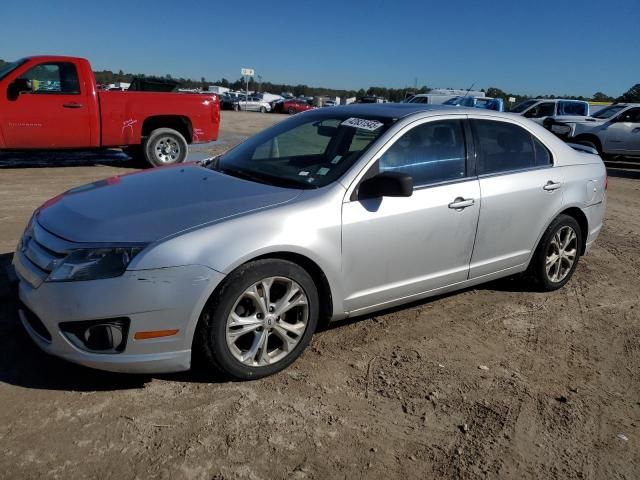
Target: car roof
{"type": "Point", "coordinates": [400, 110]}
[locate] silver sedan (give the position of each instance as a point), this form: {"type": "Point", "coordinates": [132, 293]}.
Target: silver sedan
{"type": "Point", "coordinates": [332, 213]}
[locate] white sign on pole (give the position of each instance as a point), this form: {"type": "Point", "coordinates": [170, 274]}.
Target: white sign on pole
{"type": "Point", "coordinates": [248, 72]}
{"type": "Point", "coordinates": [512, 99]}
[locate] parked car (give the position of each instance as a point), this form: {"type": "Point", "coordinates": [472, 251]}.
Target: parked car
{"type": "Point", "coordinates": [539, 109]}
{"type": "Point", "coordinates": [228, 102]}
{"type": "Point", "coordinates": [75, 114]}
{"type": "Point", "coordinates": [614, 130]}
{"type": "Point", "coordinates": [252, 104]}
{"type": "Point", "coordinates": [335, 213]}
{"type": "Point", "coordinates": [488, 103]}
{"type": "Point", "coordinates": [293, 106]}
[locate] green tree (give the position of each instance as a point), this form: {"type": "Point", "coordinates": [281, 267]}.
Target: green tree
{"type": "Point", "coordinates": [631, 96]}
{"type": "Point", "coordinates": [601, 97]}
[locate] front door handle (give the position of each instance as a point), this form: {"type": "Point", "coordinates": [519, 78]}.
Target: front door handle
{"type": "Point", "coordinates": [72, 105]}
{"type": "Point", "coordinates": [551, 186]}
{"type": "Point", "coordinates": [460, 203]}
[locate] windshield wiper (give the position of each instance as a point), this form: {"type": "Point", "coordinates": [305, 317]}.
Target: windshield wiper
{"type": "Point", "coordinates": [260, 177]}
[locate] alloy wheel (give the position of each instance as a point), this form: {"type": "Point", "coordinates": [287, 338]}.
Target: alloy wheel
{"type": "Point", "coordinates": [267, 321]}
{"type": "Point", "coordinates": [167, 149]}
{"type": "Point", "coordinates": [561, 254]}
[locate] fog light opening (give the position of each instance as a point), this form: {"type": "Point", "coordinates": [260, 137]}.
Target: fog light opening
{"type": "Point", "coordinates": [98, 336]}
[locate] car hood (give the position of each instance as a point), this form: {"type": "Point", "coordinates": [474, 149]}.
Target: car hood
{"type": "Point", "coordinates": [578, 119]}
{"type": "Point", "coordinates": [150, 205]}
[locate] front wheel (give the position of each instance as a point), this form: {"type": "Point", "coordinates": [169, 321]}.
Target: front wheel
{"type": "Point", "coordinates": [165, 146]}
{"type": "Point", "coordinates": [263, 110]}
{"type": "Point", "coordinates": [557, 254]}
{"type": "Point", "coordinates": [291, 110]}
{"type": "Point", "coordinates": [260, 320]}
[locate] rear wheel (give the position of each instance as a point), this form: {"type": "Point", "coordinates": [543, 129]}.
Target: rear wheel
{"type": "Point", "coordinates": [557, 254]}
{"type": "Point", "coordinates": [263, 110]}
{"type": "Point", "coordinates": [260, 320]}
{"type": "Point", "coordinates": [291, 110]}
{"type": "Point", "coordinates": [165, 146]}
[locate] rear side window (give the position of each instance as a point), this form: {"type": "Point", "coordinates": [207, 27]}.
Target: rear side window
{"type": "Point", "coordinates": [431, 153]}
{"type": "Point", "coordinates": [59, 77]}
{"type": "Point", "coordinates": [504, 147]}
{"type": "Point", "coordinates": [573, 108]}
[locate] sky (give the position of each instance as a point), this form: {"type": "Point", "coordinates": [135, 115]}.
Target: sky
{"type": "Point", "coordinates": [528, 47]}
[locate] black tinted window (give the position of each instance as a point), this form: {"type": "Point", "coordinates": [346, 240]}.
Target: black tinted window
{"type": "Point", "coordinates": [632, 115]}
{"type": "Point", "coordinates": [432, 152]}
{"type": "Point", "coordinates": [542, 110]}
{"type": "Point", "coordinates": [504, 147]}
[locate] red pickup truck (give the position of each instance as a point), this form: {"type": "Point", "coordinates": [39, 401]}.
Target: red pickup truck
{"type": "Point", "coordinates": [51, 102]}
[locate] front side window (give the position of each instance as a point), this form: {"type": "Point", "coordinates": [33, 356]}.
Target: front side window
{"type": "Point", "coordinates": [430, 153]}
{"type": "Point", "coordinates": [521, 107]}
{"type": "Point", "coordinates": [504, 147]}
{"type": "Point", "coordinates": [632, 115]}
{"type": "Point", "coordinates": [545, 109]}
{"type": "Point", "coordinates": [307, 151]}
{"type": "Point", "coordinates": [54, 78]}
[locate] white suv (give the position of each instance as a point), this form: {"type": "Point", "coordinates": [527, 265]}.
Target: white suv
{"type": "Point", "coordinates": [539, 109]}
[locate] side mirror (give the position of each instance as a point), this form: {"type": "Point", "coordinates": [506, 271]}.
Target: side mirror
{"type": "Point", "coordinates": [388, 184]}
{"type": "Point", "coordinates": [18, 86]}
{"type": "Point", "coordinates": [531, 113]}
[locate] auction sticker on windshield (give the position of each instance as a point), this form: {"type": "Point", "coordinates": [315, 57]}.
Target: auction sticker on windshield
{"type": "Point", "coordinates": [363, 124]}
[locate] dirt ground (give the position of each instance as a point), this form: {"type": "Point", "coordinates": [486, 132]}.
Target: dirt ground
{"type": "Point", "coordinates": [493, 382]}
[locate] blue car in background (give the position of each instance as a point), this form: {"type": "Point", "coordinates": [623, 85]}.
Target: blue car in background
{"type": "Point", "coordinates": [487, 103]}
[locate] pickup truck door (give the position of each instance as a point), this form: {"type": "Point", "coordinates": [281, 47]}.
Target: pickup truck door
{"type": "Point", "coordinates": [540, 111]}
{"type": "Point", "coordinates": [623, 133]}
{"type": "Point", "coordinates": [54, 114]}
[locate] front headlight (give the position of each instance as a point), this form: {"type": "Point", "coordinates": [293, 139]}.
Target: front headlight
{"type": "Point", "coordinates": [93, 264]}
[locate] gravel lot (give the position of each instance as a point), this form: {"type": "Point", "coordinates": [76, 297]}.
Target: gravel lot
{"type": "Point", "coordinates": [493, 382]}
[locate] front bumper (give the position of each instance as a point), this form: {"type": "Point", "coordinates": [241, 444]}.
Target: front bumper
{"type": "Point", "coordinates": [159, 299]}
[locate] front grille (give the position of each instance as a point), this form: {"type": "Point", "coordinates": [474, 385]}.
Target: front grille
{"type": "Point", "coordinates": [39, 253]}
{"type": "Point", "coordinates": [35, 323]}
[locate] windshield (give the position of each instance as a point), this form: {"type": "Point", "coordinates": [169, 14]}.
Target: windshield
{"type": "Point", "coordinates": [609, 111]}
{"type": "Point", "coordinates": [309, 150]}
{"type": "Point", "coordinates": [521, 107]}
{"type": "Point", "coordinates": [7, 68]}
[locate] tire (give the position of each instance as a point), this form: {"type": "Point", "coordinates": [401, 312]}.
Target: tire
{"type": "Point", "coordinates": [165, 146]}
{"type": "Point", "coordinates": [263, 110]}
{"type": "Point", "coordinates": [291, 111]}
{"type": "Point", "coordinates": [236, 107]}
{"type": "Point", "coordinates": [552, 276]}
{"type": "Point", "coordinates": [241, 356]}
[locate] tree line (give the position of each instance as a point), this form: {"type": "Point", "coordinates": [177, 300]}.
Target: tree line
{"type": "Point", "coordinates": [391, 94]}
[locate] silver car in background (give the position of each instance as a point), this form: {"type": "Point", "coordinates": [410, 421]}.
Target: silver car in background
{"type": "Point", "coordinates": [332, 213]}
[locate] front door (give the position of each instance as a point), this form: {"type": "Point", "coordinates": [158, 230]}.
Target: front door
{"type": "Point", "coordinates": [398, 247]}
{"type": "Point", "coordinates": [623, 135]}
{"type": "Point", "coordinates": [55, 114]}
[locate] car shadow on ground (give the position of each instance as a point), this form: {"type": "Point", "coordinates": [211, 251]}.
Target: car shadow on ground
{"type": "Point", "coordinates": [67, 158]}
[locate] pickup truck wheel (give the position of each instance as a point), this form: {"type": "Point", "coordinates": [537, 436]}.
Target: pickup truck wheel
{"type": "Point", "coordinates": [165, 146]}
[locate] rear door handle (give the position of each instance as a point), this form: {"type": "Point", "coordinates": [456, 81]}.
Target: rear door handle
{"type": "Point", "coordinates": [461, 203]}
{"type": "Point", "coordinates": [72, 105]}
{"type": "Point", "coordinates": [551, 186]}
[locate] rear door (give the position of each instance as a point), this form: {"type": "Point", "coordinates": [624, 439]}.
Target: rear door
{"type": "Point", "coordinates": [521, 191]}
{"type": "Point", "coordinates": [398, 247]}
{"type": "Point", "coordinates": [55, 114]}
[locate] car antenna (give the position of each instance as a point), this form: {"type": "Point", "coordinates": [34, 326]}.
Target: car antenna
{"type": "Point", "coordinates": [467, 92]}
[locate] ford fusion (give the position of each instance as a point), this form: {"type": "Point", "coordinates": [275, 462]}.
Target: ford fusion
{"type": "Point", "coordinates": [332, 213]}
